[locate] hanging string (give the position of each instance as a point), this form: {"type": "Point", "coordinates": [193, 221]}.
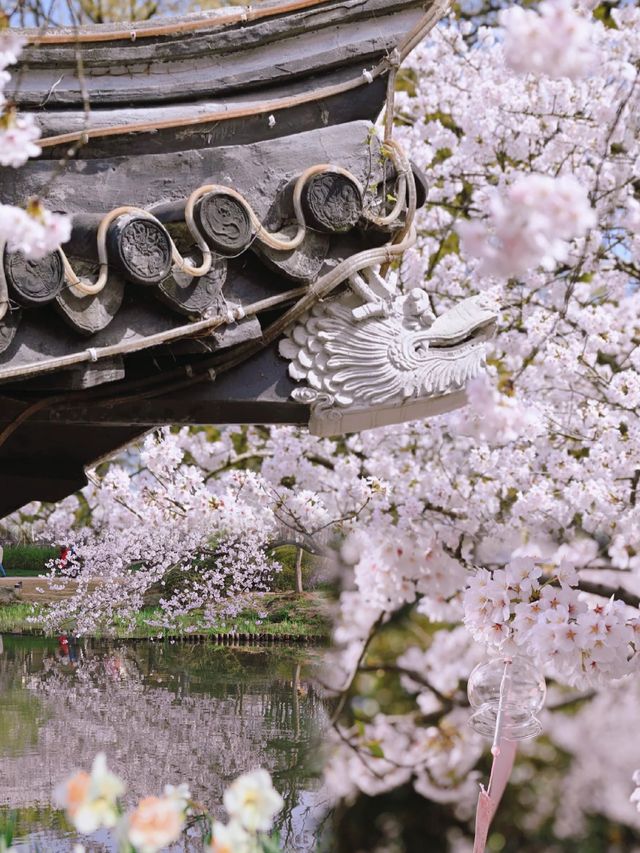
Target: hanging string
{"type": "Point", "coordinates": [504, 753]}
{"type": "Point", "coordinates": [393, 61]}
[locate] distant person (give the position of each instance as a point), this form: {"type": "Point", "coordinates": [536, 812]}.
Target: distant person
{"type": "Point", "coordinates": [63, 558]}
{"type": "Point", "coordinates": [73, 649]}
{"type": "Point", "coordinates": [3, 574]}
{"type": "Point", "coordinates": [63, 648]}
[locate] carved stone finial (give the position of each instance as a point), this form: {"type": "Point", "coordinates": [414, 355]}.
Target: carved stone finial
{"type": "Point", "coordinates": [331, 202]}
{"type": "Point", "coordinates": [33, 282]}
{"type": "Point", "coordinates": [139, 249]}
{"type": "Point", "coordinates": [372, 369]}
{"type": "Point", "coordinates": [224, 223]}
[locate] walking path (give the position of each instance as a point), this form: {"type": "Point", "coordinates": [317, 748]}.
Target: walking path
{"type": "Point", "coordinates": [36, 590]}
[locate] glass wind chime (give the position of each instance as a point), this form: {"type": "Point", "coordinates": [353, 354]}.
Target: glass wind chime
{"type": "Point", "coordinates": [505, 693]}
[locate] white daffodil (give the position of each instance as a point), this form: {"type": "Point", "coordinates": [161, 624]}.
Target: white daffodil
{"type": "Point", "coordinates": [180, 794]}
{"type": "Point", "coordinates": [231, 838]}
{"type": "Point", "coordinates": [91, 800]}
{"type": "Point", "coordinates": [253, 801]}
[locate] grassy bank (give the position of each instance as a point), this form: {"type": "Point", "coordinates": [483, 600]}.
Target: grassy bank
{"type": "Point", "coordinates": [274, 614]}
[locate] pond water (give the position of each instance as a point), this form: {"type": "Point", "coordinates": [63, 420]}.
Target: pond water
{"type": "Point", "coordinates": [162, 713]}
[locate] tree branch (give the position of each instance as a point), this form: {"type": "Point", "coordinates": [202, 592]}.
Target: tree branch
{"type": "Point", "coordinates": [605, 591]}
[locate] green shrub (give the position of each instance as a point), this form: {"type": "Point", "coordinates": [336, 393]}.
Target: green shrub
{"type": "Point", "coordinates": [28, 560]}
{"type": "Point", "coordinates": [285, 579]}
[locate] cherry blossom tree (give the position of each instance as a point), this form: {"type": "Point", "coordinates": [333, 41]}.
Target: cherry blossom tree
{"type": "Point", "coordinates": [509, 527]}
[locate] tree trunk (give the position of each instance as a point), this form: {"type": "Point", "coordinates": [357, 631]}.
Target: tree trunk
{"type": "Point", "coordinates": [299, 571]}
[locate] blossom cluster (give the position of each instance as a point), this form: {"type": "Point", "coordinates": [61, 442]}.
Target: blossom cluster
{"type": "Point", "coordinates": [33, 230]}
{"type": "Point", "coordinates": [389, 752]}
{"type": "Point", "coordinates": [529, 224]}
{"type": "Point", "coordinates": [578, 643]}
{"type": "Point", "coordinates": [554, 38]}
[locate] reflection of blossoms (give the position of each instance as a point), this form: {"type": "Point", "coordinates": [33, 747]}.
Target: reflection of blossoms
{"type": "Point", "coordinates": [151, 724]}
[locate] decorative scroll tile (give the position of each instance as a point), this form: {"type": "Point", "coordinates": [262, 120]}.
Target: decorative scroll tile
{"type": "Point", "coordinates": [194, 296]}
{"type": "Point", "coordinates": [303, 264]}
{"type": "Point", "coordinates": [33, 282]}
{"type": "Point", "coordinates": [224, 222]}
{"type": "Point", "coordinates": [331, 202]}
{"type": "Point", "coordinates": [139, 249]}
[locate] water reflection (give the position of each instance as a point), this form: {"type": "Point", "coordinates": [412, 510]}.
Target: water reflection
{"type": "Point", "coordinates": [162, 713]}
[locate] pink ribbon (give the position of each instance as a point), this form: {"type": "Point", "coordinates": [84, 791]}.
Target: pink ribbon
{"type": "Point", "coordinates": [489, 799]}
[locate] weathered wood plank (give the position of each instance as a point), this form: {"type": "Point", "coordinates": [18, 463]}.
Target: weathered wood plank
{"type": "Point", "coordinates": [210, 63]}
{"type": "Point", "coordinates": [258, 391]}
{"type": "Point", "coordinates": [233, 120]}
{"type": "Point", "coordinates": [162, 180]}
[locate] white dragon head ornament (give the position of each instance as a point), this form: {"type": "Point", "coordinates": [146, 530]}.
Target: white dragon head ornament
{"type": "Point", "coordinates": [403, 365]}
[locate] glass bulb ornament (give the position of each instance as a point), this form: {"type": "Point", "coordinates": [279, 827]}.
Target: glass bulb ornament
{"type": "Point", "coordinates": [506, 694]}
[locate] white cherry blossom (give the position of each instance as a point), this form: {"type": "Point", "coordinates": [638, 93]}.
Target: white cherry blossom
{"type": "Point", "coordinates": [554, 39]}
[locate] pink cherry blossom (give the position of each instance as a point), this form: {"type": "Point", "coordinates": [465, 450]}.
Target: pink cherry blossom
{"type": "Point", "coordinates": [529, 225]}
{"type": "Point", "coordinates": [553, 39]}
{"type": "Point", "coordinates": [18, 137]}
